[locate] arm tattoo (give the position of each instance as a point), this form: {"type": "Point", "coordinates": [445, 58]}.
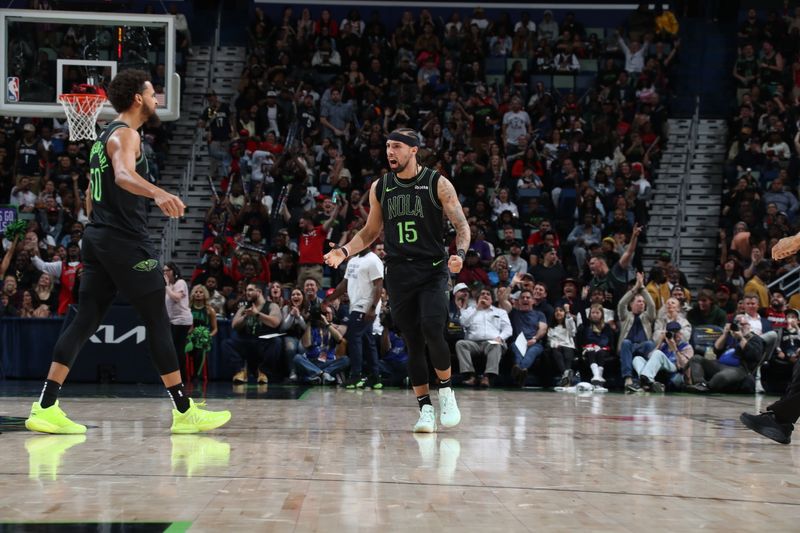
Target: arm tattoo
{"type": "Point", "coordinates": [452, 208]}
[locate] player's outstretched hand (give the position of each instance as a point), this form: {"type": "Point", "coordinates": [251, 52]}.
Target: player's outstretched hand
{"type": "Point", "coordinates": [786, 247]}
{"type": "Point", "coordinates": [335, 257]}
{"type": "Point", "coordinates": [170, 205]}
{"type": "Point", "coordinates": [454, 264]}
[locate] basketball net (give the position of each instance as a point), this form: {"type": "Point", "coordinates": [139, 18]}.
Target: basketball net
{"type": "Point", "coordinates": [82, 110]}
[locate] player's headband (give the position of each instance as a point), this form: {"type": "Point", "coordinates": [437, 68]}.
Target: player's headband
{"type": "Point", "coordinates": [413, 142]}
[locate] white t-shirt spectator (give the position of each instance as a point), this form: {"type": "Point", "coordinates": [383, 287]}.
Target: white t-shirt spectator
{"type": "Point", "coordinates": [178, 310]}
{"type": "Point", "coordinates": [531, 26]}
{"type": "Point", "coordinates": [22, 198]}
{"type": "Point", "coordinates": [516, 125]}
{"type": "Point", "coordinates": [362, 271]}
{"type": "Point", "coordinates": [634, 62]}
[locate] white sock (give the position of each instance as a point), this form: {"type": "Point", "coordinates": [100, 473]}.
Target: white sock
{"type": "Point", "coordinates": [595, 370]}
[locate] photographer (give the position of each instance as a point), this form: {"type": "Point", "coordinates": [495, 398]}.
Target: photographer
{"type": "Point", "coordinates": [672, 355]}
{"type": "Point", "coordinates": [319, 364]}
{"type": "Point", "coordinates": [256, 317]}
{"type": "Point", "coordinates": [742, 356]}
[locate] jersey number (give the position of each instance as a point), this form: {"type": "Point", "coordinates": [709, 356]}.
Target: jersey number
{"type": "Point", "coordinates": [97, 191]}
{"type": "Point", "coordinates": [407, 232]}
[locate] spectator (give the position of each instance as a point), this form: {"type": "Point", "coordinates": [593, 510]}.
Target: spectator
{"type": "Point", "coordinates": [514, 259]}
{"type": "Point", "coordinates": [550, 272]}
{"type": "Point", "coordinates": [672, 313]}
{"type": "Point", "coordinates": [203, 315]}
{"type": "Point", "coordinates": [293, 323]}
{"type": "Point", "coordinates": [472, 270]}
{"type": "Point", "coordinates": [758, 285]}
{"type": "Point", "coordinates": [516, 127]}
{"type": "Point", "coordinates": [540, 302]}
{"type": "Point", "coordinates": [312, 243]}
{"type": "Point", "coordinates": [180, 316]}
{"type": "Point", "coordinates": [613, 281]}
{"type": "Point", "coordinates": [672, 356]}
{"type": "Point", "coordinates": [636, 312]}
{"type": "Point", "coordinates": [66, 272]}
{"type": "Point", "coordinates": [548, 27]}
{"type": "Point", "coordinates": [561, 340]}
{"type": "Point", "coordinates": [319, 364]}
{"type": "Point", "coordinates": [217, 120]}
{"type": "Point", "coordinates": [634, 54]}
{"type": "Point", "coordinates": [529, 323]}
{"type": "Point", "coordinates": [216, 299]}
{"type": "Point", "coordinates": [710, 375]}
{"type": "Point", "coordinates": [363, 282]}
{"type": "Point", "coordinates": [45, 294]}
{"type": "Point", "coordinates": [581, 238]}
{"type": "Point", "coordinates": [486, 330]}
{"type": "Point", "coordinates": [706, 311]}
{"type": "Point", "coordinates": [595, 340]}
{"type": "Point", "coordinates": [254, 318]}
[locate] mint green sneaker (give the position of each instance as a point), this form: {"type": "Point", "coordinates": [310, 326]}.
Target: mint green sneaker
{"type": "Point", "coordinates": [52, 420]}
{"type": "Point", "coordinates": [449, 415]}
{"type": "Point", "coordinates": [195, 420]}
{"type": "Point", "coordinates": [427, 420]}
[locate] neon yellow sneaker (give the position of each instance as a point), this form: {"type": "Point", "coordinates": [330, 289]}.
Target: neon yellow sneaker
{"type": "Point", "coordinates": [199, 454]}
{"type": "Point", "coordinates": [45, 454]}
{"type": "Point", "coordinates": [52, 420]}
{"type": "Point", "coordinates": [195, 420]}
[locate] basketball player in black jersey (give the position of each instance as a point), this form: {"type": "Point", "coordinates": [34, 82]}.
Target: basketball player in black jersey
{"type": "Point", "coordinates": [117, 257]}
{"type": "Point", "coordinates": [409, 204]}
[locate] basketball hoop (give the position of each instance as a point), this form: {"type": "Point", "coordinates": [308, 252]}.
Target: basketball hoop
{"type": "Point", "coordinates": [82, 110]}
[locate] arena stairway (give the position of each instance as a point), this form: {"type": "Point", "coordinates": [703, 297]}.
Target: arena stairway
{"type": "Point", "coordinates": [219, 70]}
{"type": "Point", "coordinates": [685, 208]}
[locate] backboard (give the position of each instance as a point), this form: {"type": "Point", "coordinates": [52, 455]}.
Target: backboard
{"type": "Point", "coordinates": [45, 53]}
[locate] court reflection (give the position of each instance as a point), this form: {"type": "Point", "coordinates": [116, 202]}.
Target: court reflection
{"type": "Point", "coordinates": [446, 461]}
{"type": "Point", "coordinates": [46, 454]}
{"type": "Point", "coordinates": [198, 455]}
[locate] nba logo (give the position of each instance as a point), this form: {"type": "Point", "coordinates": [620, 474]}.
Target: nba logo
{"type": "Point", "coordinates": [12, 94]}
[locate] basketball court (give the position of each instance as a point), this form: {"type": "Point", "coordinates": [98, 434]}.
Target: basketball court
{"type": "Point", "coordinates": [321, 459]}
{"type": "Point", "coordinates": [295, 459]}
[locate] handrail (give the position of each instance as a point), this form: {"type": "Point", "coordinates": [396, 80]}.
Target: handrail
{"type": "Point", "coordinates": [788, 287]}
{"type": "Point", "coordinates": [694, 129]}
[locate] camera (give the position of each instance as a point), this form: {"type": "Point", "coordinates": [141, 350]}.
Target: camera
{"type": "Point", "coordinates": [315, 313]}
{"type": "Point", "coordinates": [734, 326]}
{"type": "Point", "coordinates": [670, 335]}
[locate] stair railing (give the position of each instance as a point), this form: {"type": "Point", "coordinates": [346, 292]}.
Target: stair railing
{"type": "Point", "coordinates": [694, 129]}
{"type": "Point", "coordinates": [789, 283]}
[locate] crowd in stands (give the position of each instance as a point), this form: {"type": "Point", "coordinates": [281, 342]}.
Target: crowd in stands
{"type": "Point", "coordinates": [554, 180]}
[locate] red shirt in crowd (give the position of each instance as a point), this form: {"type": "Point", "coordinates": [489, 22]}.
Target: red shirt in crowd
{"type": "Point", "coordinates": [68, 276]}
{"type": "Point", "coordinates": [311, 246]}
{"type": "Point", "coordinates": [777, 319]}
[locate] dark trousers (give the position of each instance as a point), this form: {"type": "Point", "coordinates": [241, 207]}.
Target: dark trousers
{"type": "Point", "coordinates": [562, 358]}
{"type": "Point", "coordinates": [359, 336]}
{"type": "Point", "coordinates": [179, 334]}
{"type": "Point", "coordinates": [717, 376]}
{"type": "Point", "coordinates": [242, 350]}
{"type": "Point", "coordinates": [787, 409]}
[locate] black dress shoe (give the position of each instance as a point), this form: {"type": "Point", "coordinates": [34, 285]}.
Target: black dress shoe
{"type": "Point", "coordinates": [698, 387]}
{"type": "Point", "coordinates": [766, 425]}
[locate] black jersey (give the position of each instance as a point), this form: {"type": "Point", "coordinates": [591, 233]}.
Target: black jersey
{"type": "Point", "coordinates": [113, 206]}
{"type": "Point", "coordinates": [412, 217]}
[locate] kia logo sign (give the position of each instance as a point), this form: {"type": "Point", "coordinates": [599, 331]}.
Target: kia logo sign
{"type": "Point", "coordinates": [108, 336]}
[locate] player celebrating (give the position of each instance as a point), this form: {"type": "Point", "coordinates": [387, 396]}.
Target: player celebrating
{"type": "Point", "coordinates": [117, 256]}
{"type": "Point", "coordinates": [409, 203]}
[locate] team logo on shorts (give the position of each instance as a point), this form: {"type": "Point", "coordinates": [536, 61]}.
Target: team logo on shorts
{"type": "Point", "coordinates": [147, 265]}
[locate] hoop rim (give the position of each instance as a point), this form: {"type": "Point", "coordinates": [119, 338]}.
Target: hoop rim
{"type": "Point", "coordinates": [68, 97]}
